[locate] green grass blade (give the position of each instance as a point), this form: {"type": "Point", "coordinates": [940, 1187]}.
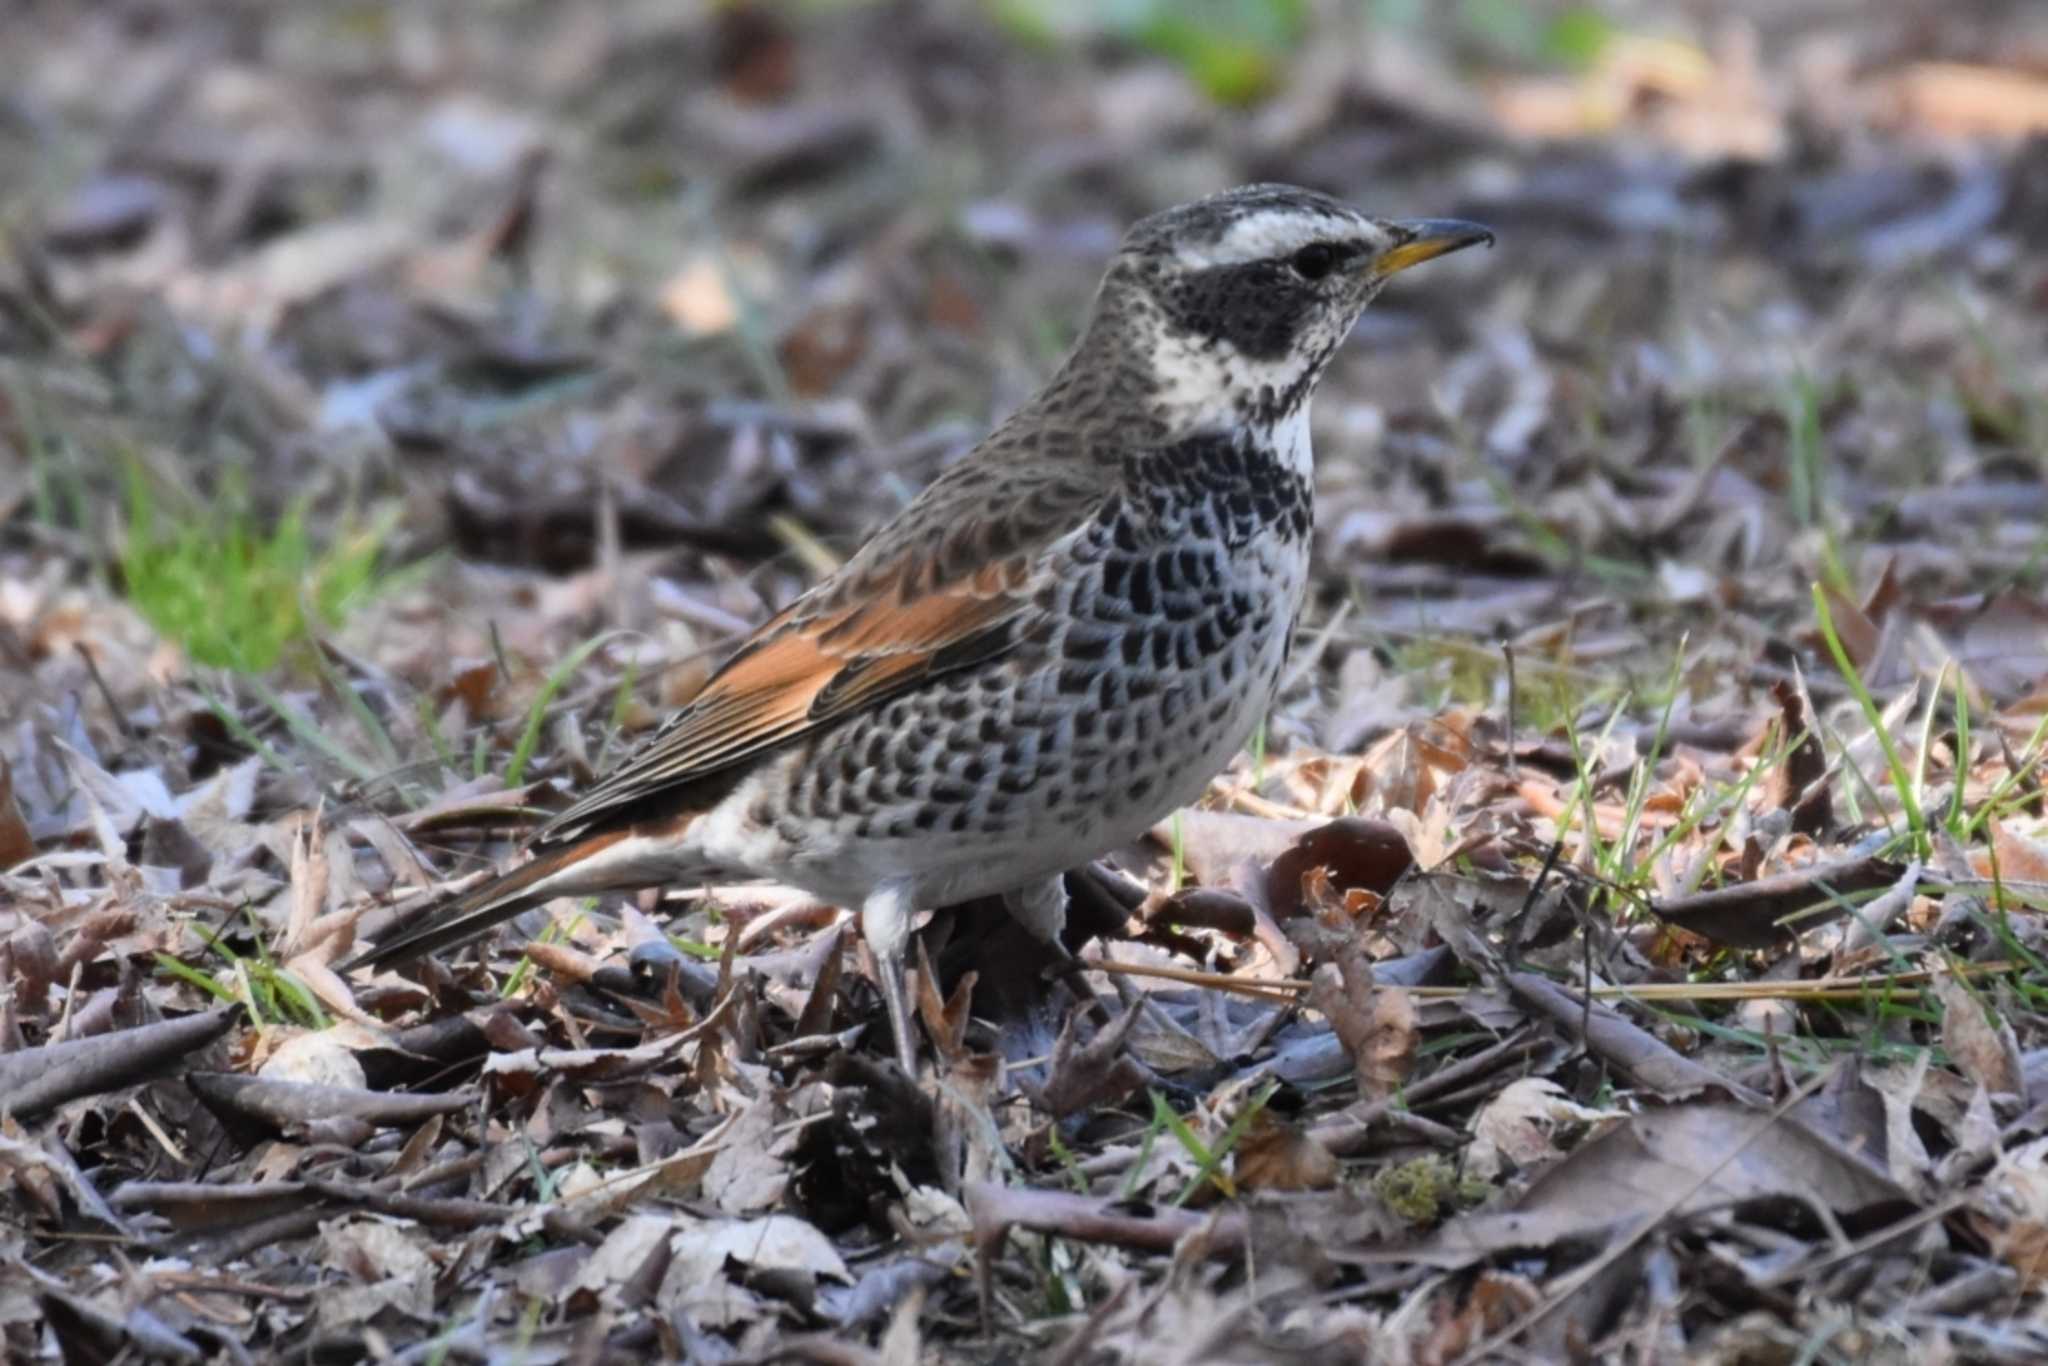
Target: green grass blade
{"type": "Point", "coordinates": [1902, 780]}
{"type": "Point", "coordinates": [1239, 1125]}
{"type": "Point", "coordinates": [536, 715]}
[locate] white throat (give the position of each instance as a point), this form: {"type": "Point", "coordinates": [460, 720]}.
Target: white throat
{"type": "Point", "coordinates": [1206, 386]}
{"type": "Point", "coordinates": [1203, 385]}
{"type": "Point", "coordinates": [1290, 440]}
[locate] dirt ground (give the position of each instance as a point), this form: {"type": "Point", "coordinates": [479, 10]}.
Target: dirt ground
{"type": "Point", "coordinates": [1623, 942]}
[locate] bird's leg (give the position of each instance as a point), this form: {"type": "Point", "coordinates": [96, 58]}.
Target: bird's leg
{"type": "Point", "coordinates": [897, 995]}
{"type": "Point", "coordinates": [1041, 908]}
{"type": "Point", "coordinates": [885, 921]}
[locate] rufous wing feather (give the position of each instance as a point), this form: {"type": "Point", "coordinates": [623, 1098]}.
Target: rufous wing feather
{"type": "Point", "coordinates": [820, 660]}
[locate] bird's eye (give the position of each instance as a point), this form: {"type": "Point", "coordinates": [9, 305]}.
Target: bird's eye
{"type": "Point", "coordinates": [1315, 260]}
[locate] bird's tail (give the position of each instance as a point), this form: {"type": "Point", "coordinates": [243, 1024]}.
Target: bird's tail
{"type": "Point", "coordinates": [552, 873]}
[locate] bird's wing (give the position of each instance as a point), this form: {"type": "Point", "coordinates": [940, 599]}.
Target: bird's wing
{"type": "Point", "coordinates": [951, 582]}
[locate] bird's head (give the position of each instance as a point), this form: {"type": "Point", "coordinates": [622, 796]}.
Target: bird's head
{"type": "Point", "coordinates": [1231, 306]}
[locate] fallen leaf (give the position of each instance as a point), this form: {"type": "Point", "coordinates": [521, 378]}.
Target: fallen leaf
{"type": "Point", "coordinates": [1758, 914]}
{"type": "Point", "coordinates": [778, 1242]}
{"type": "Point", "coordinates": [15, 844]}
{"type": "Point", "coordinates": [1981, 1045]}
{"type": "Point", "coordinates": [1354, 854]}
{"type": "Point", "coordinates": [1671, 1159]}
{"type": "Point", "coordinates": [747, 1174]}
{"type": "Point", "coordinates": [1086, 1076]}
{"type": "Point", "coordinates": [1800, 783]}
{"type": "Point", "coordinates": [326, 1057]}
{"type": "Point", "coordinates": [2011, 1212]}
{"type": "Point", "coordinates": [1275, 1155]}
{"type": "Point", "coordinates": [1376, 1024]}
{"type": "Point", "coordinates": [1518, 1129]}
{"type": "Point", "coordinates": [2013, 857]}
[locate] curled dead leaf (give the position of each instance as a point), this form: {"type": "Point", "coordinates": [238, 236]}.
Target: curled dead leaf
{"type": "Point", "coordinates": [1800, 783]}
{"type": "Point", "coordinates": [1377, 1024]}
{"type": "Point", "coordinates": [1333, 860]}
{"type": "Point", "coordinates": [1519, 1128]}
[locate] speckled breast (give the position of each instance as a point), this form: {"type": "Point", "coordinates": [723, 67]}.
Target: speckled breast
{"type": "Point", "coordinates": [1162, 633]}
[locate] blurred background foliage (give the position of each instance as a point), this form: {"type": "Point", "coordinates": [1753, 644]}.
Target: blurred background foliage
{"type": "Point", "coordinates": [535, 283]}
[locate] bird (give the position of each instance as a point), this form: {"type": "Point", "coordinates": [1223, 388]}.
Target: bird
{"type": "Point", "coordinates": [1056, 644]}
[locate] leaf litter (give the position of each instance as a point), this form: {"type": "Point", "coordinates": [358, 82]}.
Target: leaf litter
{"type": "Point", "coordinates": [1625, 938]}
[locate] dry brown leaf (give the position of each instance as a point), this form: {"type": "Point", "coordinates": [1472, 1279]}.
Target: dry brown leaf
{"type": "Point", "coordinates": [748, 1174]}
{"type": "Point", "coordinates": [1799, 784]}
{"type": "Point", "coordinates": [2010, 1211]}
{"type": "Point", "coordinates": [1331, 860]}
{"type": "Point", "coordinates": [564, 961]}
{"type": "Point", "coordinates": [376, 1251]}
{"type": "Point", "coordinates": [1755, 915]}
{"type": "Point", "coordinates": [1495, 1300]}
{"type": "Point", "coordinates": [16, 846]}
{"type": "Point", "coordinates": [2013, 857]}
{"type": "Point", "coordinates": [1519, 1127]}
{"type": "Point", "coordinates": [822, 347]}
{"type": "Point", "coordinates": [902, 1344]}
{"type": "Point", "coordinates": [1983, 1047]}
{"type": "Point", "coordinates": [309, 872]}
{"type": "Point", "coordinates": [945, 1021]}
{"type": "Point", "coordinates": [1671, 1159]}
{"type": "Point", "coordinates": [635, 1254]}
{"type": "Point", "coordinates": [2023, 1246]}
{"type": "Point", "coordinates": [1216, 844]}
{"type": "Point", "coordinates": [1376, 1024]}
{"type": "Point", "coordinates": [777, 1242]}
{"type": "Point", "coordinates": [1275, 1155]}
{"type": "Point", "coordinates": [322, 1056]}
{"type": "Point", "coordinates": [1099, 1072]}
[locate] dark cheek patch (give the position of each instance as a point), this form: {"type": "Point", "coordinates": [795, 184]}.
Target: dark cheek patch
{"type": "Point", "coordinates": [1257, 308]}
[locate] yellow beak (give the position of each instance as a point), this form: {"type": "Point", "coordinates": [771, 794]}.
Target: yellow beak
{"type": "Point", "coordinates": [1425, 239]}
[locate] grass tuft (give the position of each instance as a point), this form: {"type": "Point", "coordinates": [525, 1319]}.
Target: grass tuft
{"type": "Point", "coordinates": [1902, 778]}
{"type": "Point", "coordinates": [232, 594]}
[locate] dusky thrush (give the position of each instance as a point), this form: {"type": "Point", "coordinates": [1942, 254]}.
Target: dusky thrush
{"type": "Point", "coordinates": [1061, 640]}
